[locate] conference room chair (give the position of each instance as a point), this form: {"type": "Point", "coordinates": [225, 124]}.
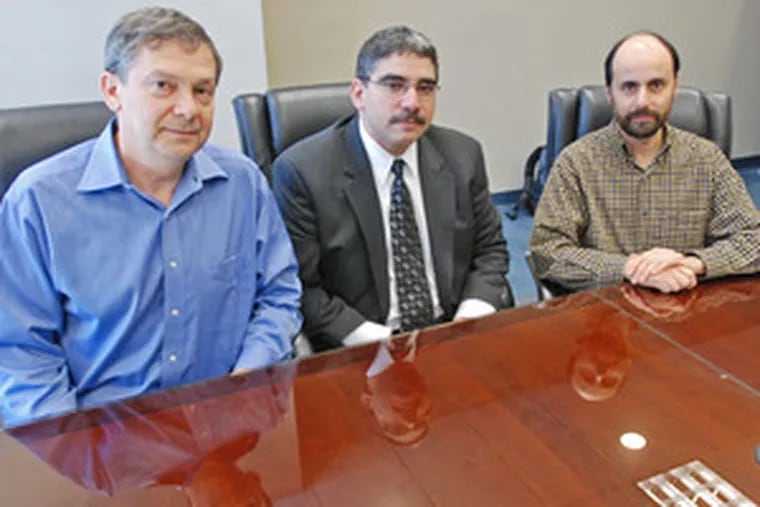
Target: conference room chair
{"type": "Point", "coordinates": [270, 122]}
{"type": "Point", "coordinates": [574, 112]}
{"type": "Point", "coordinates": [29, 134]}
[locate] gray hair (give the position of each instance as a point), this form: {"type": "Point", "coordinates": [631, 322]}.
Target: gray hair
{"type": "Point", "coordinates": [150, 26]}
{"type": "Point", "coordinates": [393, 40]}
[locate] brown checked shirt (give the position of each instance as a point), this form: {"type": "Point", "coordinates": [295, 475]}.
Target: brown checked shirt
{"type": "Point", "coordinates": [598, 207]}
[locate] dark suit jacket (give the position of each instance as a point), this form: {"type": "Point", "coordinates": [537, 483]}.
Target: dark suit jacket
{"type": "Point", "coordinates": [326, 192]}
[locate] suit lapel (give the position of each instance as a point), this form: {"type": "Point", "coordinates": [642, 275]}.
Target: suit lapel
{"type": "Point", "coordinates": [362, 197]}
{"type": "Point", "coordinates": [439, 193]}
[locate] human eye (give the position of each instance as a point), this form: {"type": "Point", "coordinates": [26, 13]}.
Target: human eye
{"type": "Point", "coordinates": [204, 92]}
{"type": "Point", "coordinates": [394, 85]}
{"type": "Point", "coordinates": [426, 87]}
{"type": "Point", "coordinates": [656, 85]}
{"type": "Point", "coordinates": [628, 87]}
{"type": "Point", "coordinates": [161, 87]}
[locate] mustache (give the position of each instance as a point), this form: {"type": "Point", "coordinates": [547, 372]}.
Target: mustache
{"type": "Point", "coordinates": [645, 111]}
{"type": "Point", "coordinates": [407, 116]}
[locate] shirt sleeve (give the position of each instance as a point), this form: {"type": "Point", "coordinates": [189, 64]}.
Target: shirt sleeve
{"type": "Point", "coordinates": [367, 332]}
{"type": "Point", "coordinates": [34, 376]}
{"type": "Point", "coordinates": [733, 232]}
{"type": "Point", "coordinates": [276, 317]}
{"type": "Point", "coordinates": [561, 218]}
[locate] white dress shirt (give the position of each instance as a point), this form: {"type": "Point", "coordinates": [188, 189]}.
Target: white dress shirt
{"type": "Point", "coordinates": [381, 161]}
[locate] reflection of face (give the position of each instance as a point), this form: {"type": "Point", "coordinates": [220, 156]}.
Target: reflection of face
{"type": "Point", "coordinates": [399, 400]}
{"type": "Point", "coordinates": [594, 380]}
{"type": "Point", "coordinates": [643, 86]}
{"type": "Point", "coordinates": [600, 364]}
{"type": "Point", "coordinates": [395, 122]}
{"type": "Point", "coordinates": [165, 105]}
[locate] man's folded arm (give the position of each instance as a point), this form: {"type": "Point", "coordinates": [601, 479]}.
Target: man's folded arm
{"type": "Point", "coordinates": [325, 314]}
{"type": "Point", "coordinates": [490, 259]}
{"type": "Point", "coordinates": [555, 243]}
{"type": "Point", "coordinates": [733, 233]}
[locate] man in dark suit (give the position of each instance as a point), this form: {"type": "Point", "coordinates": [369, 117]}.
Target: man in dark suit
{"type": "Point", "coordinates": [391, 217]}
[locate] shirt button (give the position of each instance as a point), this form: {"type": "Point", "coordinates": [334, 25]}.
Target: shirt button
{"type": "Point", "coordinates": [175, 312]}
{"type": "Point", "coordinates": [172, 358]}
{"type": "Point", "coordinates": [173, 264]}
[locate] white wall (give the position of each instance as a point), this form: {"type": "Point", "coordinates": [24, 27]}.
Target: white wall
{"type": "Point", "coordinates": [52, 50]}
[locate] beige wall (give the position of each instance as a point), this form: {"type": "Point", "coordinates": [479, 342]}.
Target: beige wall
{"type": "Point", "coordinates": [499, 57]}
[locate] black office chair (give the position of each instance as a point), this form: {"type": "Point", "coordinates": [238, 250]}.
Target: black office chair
{"type": "Point", "coordinates": [269, 123]}
{"type": "Point", "coordinates": [252, 121]}
{"type": "Point", "coordinates": [574, 112]}
{"type": "Point", "coordinates": [29, 134]}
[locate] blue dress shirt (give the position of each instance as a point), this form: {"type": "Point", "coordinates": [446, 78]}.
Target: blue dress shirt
{"type": "Point", "coordinates": [105, 293]}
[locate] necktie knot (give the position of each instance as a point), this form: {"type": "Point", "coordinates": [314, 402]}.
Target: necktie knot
{"type": "Point", "coordinates": [397, 168]}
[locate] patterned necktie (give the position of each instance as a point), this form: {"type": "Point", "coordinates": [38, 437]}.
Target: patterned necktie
{"type": "Point", "coordinates": [412, 287]}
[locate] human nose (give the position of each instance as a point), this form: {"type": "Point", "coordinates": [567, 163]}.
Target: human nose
{"type": "Point", "coordinates": [643, 98]}
{"type": "Point", "coordinates": [186, 105]}
{"type": "Point", "coordinates": [411, 97]}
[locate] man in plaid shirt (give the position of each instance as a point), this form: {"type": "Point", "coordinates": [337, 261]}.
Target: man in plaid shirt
{"type": "Point", "coordinates": [639, 199]}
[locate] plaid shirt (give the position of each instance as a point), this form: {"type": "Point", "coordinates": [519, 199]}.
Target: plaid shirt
{"type": "Point", "coordinates": [598, 207]}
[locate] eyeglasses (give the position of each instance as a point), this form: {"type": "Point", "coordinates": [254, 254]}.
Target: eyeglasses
{"type": "Point", "coordinates": [397, 87]}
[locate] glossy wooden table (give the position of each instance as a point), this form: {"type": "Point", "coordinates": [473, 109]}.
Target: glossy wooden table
{"type": "Point", "coordinates": [526, 407]}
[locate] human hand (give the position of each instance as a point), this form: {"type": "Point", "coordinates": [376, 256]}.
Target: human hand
{"type": "Point", "coordinates": [639, 267]}
{"type": "Point", "coordinates": [673, 279]}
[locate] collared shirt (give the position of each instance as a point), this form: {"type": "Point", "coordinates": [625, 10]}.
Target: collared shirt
{"type": "Point", "coordinates": [381, 162]}
{"type": "Point", "coordinates": [106, 293]}
{"type": "Point", "coordinates": [599, 206]}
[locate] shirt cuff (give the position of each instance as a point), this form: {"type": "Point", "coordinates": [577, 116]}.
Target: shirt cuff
{"type": "Point", "coordinates": [367, 332]}
{"type": "Point", "coordinates": [473, 308]}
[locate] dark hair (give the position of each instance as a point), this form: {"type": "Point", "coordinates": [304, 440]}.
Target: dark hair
{"type": "Point", "coordinates": [665, 42]}
{"type": "Point", "coordinates": [392, 40]}
{"type": "Point", "coordinates": [148, 26]}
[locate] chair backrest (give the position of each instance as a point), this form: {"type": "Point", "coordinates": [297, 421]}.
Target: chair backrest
{"type": "Point", "coordinates": [29, 134]}
{"type": "Point", "coordinates": [574, 112]}
{"type": "Point", "coordinates": [269, 123]}
{"type": "Point", "coordinates": [253, 128]}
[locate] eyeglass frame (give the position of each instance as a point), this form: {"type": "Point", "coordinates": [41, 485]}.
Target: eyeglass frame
{"type": "Point", "coordinates": [389, 83]}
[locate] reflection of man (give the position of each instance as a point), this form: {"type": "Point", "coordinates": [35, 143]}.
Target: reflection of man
{"type": "Point", "coordinates": [390, 216]}
{"type": "Point", "coordinates": [142, 259]}
{"type": "Point", "coordinates": [193, 446]}
{"type": "Point", "coordinates": [396, 394]}
{"type": "Point", "coordinates": [600, 363]}
{"type": "Point", "coordinates": [640, 199]}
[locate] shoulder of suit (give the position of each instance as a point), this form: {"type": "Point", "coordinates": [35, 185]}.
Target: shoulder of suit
{"type": "Point", "coordinates": [322, 142]}
{"type": "Point", "coordinates": [445, 137]}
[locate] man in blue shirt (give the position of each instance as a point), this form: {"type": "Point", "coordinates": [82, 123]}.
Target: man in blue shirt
{"type": "Point", "coordinates": [142, 259]}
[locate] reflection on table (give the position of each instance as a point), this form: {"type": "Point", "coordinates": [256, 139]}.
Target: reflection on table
{"type": "Point", "coordinates": [613, 397]}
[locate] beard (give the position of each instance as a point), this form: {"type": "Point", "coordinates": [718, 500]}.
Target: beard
{"type": "Point", "coordinates": [641, 129]}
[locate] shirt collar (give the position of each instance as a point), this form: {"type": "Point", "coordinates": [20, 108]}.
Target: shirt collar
{"type": "Point", "coordinates": [105, 169]}
{"type": "Point", "coordinates": [380, 160]}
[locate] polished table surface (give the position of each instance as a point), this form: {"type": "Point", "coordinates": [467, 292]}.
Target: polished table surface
{"type": "Point", "coordinates": [525, 407]}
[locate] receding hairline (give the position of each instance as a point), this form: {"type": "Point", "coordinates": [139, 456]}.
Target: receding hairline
{"type": "Point", "coordinates": [609, 60]}
{"type": "Point", "coordinates": [643, 37]}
